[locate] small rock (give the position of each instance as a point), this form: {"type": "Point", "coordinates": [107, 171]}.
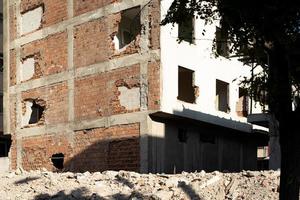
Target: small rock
{"type": "Point", "coordinates": [161, 194]}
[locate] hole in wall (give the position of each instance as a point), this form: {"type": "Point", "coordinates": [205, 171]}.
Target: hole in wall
{"type": "Point", "coordinates": [129, 27]}
{"type": "Point", "coordinates": [36, 114]}
{"type": "Point", "coordinates": [58, 160]}
{"type": "Point", "coordinates": [33, 112]}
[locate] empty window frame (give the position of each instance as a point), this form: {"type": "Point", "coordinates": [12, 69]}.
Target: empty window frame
{"type": "Point", "coordinates": [186, 29]}
{"type": "Point", "coordinates": [186, 91]}
{"type": "Point", "coordinates": [129, 26]}
{"type": "Point", "coordinates": [242, 107]}
{"type": "Point", "coordinates": [222, 44]}
{"type": "Point", "coordinates": [222, 96]}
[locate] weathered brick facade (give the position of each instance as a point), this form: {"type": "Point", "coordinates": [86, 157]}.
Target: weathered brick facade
{"type": "Point", "coordinates": [92, 99]}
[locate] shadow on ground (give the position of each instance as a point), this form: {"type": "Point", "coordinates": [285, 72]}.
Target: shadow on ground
{"type": "Point", "coordinates": [83, 193]}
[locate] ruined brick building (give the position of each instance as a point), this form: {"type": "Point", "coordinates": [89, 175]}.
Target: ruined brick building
{"type": "Point", "coordinates": [98, 84]}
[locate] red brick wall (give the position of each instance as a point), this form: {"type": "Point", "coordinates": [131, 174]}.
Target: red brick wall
{"type": "Point", "coordinates": [12, 23]}
{"type": "Point", "coordinates": [54, 10]}
{"type": "Point", "coordinates": [13, 153]}
{"type": "Point", "coordinates": [12, 67]}
{"type": "Point", "coordinates": [97, 95]}
{"type": "Point", "coordinates": [96, 35]}
{"type": "Point", "coordinates": [154, 16]}
{"type": "Point", "coordinates": [113, 148]}
{"type": "Point", "coordinates": [12, 111]}
{"type": "Point", "coordinates": [154, 85]}
{"type": "Point", "coordinates": [82, 6]}
{"type": "Point", "coordinates": [37, 151]}
{"type": "Point", "coordinates": [50, 53]}
{"type": "Point", "coordinates": [56, 97]}
{"type": "Point", "coordinates": [98, 149]}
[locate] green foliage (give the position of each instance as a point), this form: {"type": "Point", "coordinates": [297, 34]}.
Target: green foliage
{"type": "Point", "coordinates": [253, 29]}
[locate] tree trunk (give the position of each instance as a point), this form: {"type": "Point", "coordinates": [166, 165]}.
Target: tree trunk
{"type": "Point", "coordinates": [281, 105]}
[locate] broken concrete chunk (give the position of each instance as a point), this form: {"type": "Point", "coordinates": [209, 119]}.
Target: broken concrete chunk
{"type": "Point", "coordinates": [31, 20]}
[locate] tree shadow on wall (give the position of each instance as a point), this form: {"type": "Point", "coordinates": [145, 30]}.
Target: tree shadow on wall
{"type": "Point", "coordinates": [109, 154]}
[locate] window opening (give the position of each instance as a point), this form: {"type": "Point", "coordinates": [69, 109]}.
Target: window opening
{"type": "Point", "coordinates": [36, 114]}
{"type": "Point", "coordinates": [222, 44]}
{"type": "Point", "coordinates": [222, 96]}
{"type": "Point", "coordinates": [186, 30]}
{"type": "Point", "coordinates": [129, 27]}
{"type": "Point", "coordinates": [186, 88]}
{"type": "Point", "coordinates": [243, 103]}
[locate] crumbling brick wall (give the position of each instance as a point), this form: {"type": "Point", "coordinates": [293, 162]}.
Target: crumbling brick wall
{"type": "Point", "coordinates": [56, 100]}
{"type": "Point", "coordinates": [37, 151]}
{"type": "Point", "coordinates": [12, 67]}
{"type": "Point", "coordinates": [80, 76]}
{"type": "Point", "coordinates": [154, 16]}
{"type": "Point", "coordinates": [12, 23]}
{"type": "Point", "coordinates": [54, 10]}
{"type": "Point", "coordinates": [116, 147]}
{"type": "Point", "coordinates": [50, 54]}
{"type": "Point", "coordinates": [83, 6]}
{"type": "Point", "coordinates": [97, 95]}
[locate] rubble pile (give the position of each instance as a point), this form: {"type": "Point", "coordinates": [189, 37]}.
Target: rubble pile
{"type": "Point", "coordinates": [43, 184]}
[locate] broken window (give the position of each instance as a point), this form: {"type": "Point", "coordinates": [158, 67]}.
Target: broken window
{"type": "Point", "coordinates": [129, 27]}
{"type": "Point", "coordinates": [186, 88]}
{"type": "Point", "coordinates": [36, 114]}
{"type": "Point", "coordinates": [242, 106]}
{"type": "Point", "coordinates": [222, 44]}
{"type": "Point", "coordinates": [182, 135]}
{"type": "Point", "coordinates": [222, 96]}
{"type": "Point", "coordinates": [186, 30]}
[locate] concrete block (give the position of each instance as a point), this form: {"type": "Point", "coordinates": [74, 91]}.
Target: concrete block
{"type": "Point", "coordinates": [27, 69]}
{"type": "Point", "coordinates": [31, 20]}
{"type": "Point", "coordinates": [129, 98]}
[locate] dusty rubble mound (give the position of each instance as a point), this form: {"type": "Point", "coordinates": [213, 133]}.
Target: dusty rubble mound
{"type": "Point", "coordinates": [130, 185]}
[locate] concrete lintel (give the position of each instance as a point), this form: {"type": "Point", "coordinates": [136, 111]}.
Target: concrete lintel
{"type": "Point", "coordinates": [127, 118]}
{"type": "Point", "coordinates": [89, 70]}
{"type": "Point", "coordinates": [31, 131]}
{"type": "Point", "coordinates": [44, 81]}
{"type": "Point", "coordinates": [92, 15]}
